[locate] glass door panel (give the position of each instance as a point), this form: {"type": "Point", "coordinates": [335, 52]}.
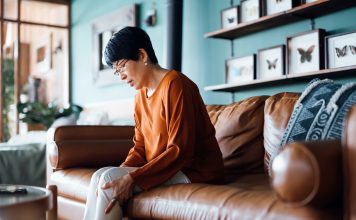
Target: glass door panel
{"type": "Point", "coordinates": [44, 65]}
{"type": "Point", "coordinates": [10, 9]}
{"type": "Point", "coordinates": [43, 12]}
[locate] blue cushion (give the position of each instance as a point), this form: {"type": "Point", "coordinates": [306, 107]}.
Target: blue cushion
{"type": "Point", "coordinates": [320, 111]}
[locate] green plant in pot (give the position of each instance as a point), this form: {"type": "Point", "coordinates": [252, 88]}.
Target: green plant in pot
{"type": "Point", "coordinates": [39, 113]}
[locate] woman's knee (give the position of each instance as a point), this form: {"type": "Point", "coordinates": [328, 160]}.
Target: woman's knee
{"type": "Point", "coordinates": [97, 174]}
{"type": "Point", "coordinates": [112, 174]}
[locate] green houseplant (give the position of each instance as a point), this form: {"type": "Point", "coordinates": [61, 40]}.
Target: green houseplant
{"type": "Point", "coordinates": [8, 95]}
{"type": "Point", "coordinates": [39, 113]}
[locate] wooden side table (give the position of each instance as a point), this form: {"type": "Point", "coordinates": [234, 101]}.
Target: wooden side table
{"type": "Point", "coordinates": [30, 206]}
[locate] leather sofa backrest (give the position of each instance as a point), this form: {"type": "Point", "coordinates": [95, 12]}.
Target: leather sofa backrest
{"type": "Point", "coordinates": [278, 109]}
{"type": "Point", "coordinates": [239, 132]}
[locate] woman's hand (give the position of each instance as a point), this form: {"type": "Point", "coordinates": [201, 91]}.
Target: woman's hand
{"type": "Point", "coordinates": [122, 190]}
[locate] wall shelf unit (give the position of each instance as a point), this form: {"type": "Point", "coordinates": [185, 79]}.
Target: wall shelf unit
{"type": "Point", "coordinates": [305, 11]}
{"type": "Point", "coordinates": [332, 73]}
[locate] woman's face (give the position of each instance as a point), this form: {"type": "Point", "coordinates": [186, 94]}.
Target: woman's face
{"type": "Point", "coordinates": [131, 72]}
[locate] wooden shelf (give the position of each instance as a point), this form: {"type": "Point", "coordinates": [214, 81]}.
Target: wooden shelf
{"type": "Point", "coordinates": [310, 10]}
{"type": "Point", "coordinates": [330, 73]}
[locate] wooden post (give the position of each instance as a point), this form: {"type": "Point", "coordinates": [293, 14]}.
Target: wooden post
{"type": "Point", "coordinates": [52, 214]}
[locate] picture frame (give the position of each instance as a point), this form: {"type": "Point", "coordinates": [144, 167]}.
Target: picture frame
{"type": "Point", "coordinates": [240, 69]}
{"type": "Point", "coordinates": [308, 1]}
{"type": "Point", "coordinates": [230, 17]}
{"type": "Point", "coordinates": [276, 6]}
{"type": "Point", "coordinates": [102, 29]}
{"type": "Point", "coordinates": [271, 62]}
{"type": "Point", "coordinates": [250, 10]}
{"type": "Point", "coordinates": [340, 50]}
{"type": "Point", "coordinates": [43, 54]}
{"type": "Point", "coordinates": [305, 52]}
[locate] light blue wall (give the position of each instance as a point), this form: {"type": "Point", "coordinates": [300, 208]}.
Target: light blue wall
{"type": "Point", "coordinates": [84, 12]}
{"type": "Point", "coordinates": [203, 59]}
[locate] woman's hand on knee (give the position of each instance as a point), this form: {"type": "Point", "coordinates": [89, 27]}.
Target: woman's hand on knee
{"type": "Point", "coordinates": [122, 190]}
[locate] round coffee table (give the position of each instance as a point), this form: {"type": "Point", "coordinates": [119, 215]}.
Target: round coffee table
{"type": "Point", "coordinates": [32, 205]}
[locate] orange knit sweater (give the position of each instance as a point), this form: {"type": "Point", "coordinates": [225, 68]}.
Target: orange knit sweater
{"type": "Point", "coordinates": [173, 132]}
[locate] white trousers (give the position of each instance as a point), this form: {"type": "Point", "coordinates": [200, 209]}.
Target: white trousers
{"type": "Point", "coordinates": [95, 206]}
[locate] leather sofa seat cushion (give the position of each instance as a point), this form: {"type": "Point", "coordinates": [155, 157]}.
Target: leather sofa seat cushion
{"type": "Point", "coordinates": [250, 197]}
{"type": "Point", "coordinates": [239, 132]}
{"type": "Point", "coordinates": [278, 109]}
{"type": "Point", "coordinates": [73, 183]}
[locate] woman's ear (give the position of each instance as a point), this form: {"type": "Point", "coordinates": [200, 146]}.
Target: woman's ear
{"type": "Point", "coordinates": [143, 55]}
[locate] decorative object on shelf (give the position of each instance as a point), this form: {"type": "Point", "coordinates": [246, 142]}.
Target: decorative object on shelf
{"type": "Point", "coordinates": [240, 69]}
{"type": "Point", "coordinates": [230, 17]}
{"type": "Point", "coordinates": [37, 113]}
{"type": "Point", "coordinates": [275, 6]}
{"type": "Point", "coordinates": [305, 52]}
{"type": "Point", "coordinates": [341, 50]}
{"type": "Point", "coordinates": [250, 10]}
{"type": "Point", "coordinates": [271, 62]}
{"type": "Point", "coordinates": [103, 28]}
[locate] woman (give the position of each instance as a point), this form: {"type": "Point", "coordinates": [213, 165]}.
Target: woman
{"type": "Point", "coordinates": [174, 139]}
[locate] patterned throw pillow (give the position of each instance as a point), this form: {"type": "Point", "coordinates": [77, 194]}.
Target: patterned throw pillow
{"type": "Point", "coordinates": [320, 111]}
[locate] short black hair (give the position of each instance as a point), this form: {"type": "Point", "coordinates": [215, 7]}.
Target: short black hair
{"type": "Point", "coordinates": [125, 44]}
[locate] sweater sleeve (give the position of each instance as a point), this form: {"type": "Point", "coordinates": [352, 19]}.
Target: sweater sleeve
{"type": "Point", "coordinates": [136, 156]}
{"type": "Point", "coordinates": [180, 124]}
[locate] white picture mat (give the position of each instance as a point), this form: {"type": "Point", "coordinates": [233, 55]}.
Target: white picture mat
{"type": "Point", "coordinates": [308, 1]}
{"type": "Point", "coordinates": [304, 42]}
{"type": "Point", "coordinates": [274, 7]}
{"type": "Point", "coordinates": [227, 14]}
{"type": "Point", "coordinates": [339, 42]}
{"type": "Point", "coordinates": [240, 70]}
{"type": "Point", "coordinates": [250, 10]}
{"type": "Point", "coordinates": [271, 55]}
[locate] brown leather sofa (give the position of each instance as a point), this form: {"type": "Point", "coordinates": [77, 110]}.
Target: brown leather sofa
{"type": "Point", "coordinates": [313, 180]}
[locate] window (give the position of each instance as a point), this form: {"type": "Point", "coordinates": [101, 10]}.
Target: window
{"type": "Point", "coordinates": [34, 58]}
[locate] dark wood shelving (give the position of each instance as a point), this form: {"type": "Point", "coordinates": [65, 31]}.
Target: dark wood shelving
{"type": "Point", "coordinates": [330, 73]}
{"type": "Point", "coordinates": [310, 10]}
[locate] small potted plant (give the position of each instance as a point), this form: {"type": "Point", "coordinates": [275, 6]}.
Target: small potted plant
{"type": "Point", "coordinates": [36, 113]}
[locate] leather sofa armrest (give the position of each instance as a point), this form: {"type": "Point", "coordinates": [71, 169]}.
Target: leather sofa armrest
{"type": "Point", "coordinates": [306, 173]}
{"type": "Point", "coordinates": [349, 153]}
{"type": "Point", "coordinates": [88, 146]}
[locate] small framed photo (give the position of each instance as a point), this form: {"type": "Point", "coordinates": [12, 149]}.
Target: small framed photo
{"type": "Point", "coordinates": [276, 6]}
{"type": "Point", "coordinates": [250, 10]}
{"type": "Point", "coordinates": [240, 69]}
{"type": "Point", "coordinates": [341, 50]}
{"type": "Point", "coordinates": [230, 17]}
{"type": "Point", "coordinates": [305, 52]}
{"type": "Point", "coordinates": [271, 63]}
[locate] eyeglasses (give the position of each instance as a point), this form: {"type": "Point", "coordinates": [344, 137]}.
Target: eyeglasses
{"type": "Point", "coordinates": [119, 68]}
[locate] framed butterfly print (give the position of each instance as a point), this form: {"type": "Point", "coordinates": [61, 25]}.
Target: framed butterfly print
{"type": "Point", "coordinates": [305, 52]}
{"type": "Point", "coordinates": [341, 50]}
{"type": "Point", "coordinates": [230, 17]}
{"type": "Point", "coordinates": [250, 10]}
{"type": "Point", "coordinates": [240, 69]}
{"type": "Point", "coordinates": [276, 6]}
{"type": "Point", "coordinates": [270, 62]}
